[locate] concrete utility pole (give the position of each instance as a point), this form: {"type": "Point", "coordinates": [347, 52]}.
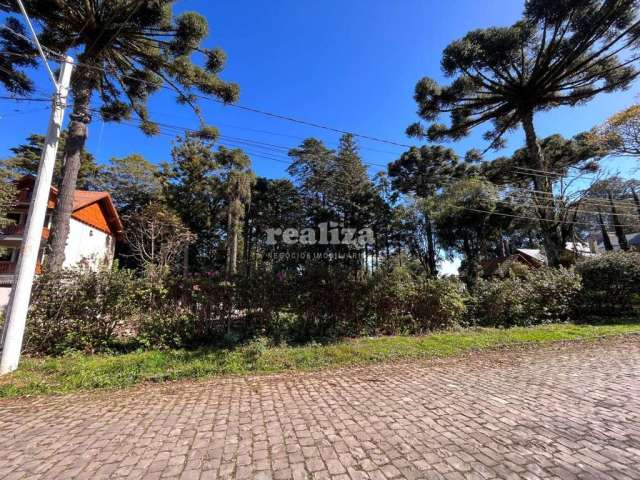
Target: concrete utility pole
{"type": "Point", "coordinates": [16, 314]}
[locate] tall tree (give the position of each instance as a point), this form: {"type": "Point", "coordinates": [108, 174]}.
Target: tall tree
{"type": "Point", "coordinates": [275, 203]}
{"type": "Point", "coordinates": [617, 224]}
{"type": "Point", "coordinates": [17, 53]}
{"type": "Point", "coordinates": [156, 237]}
{"type": "Point", "coordinates": [133, 182]}
{"type": "Point", "coordinates": [193, 188]}
{"type": "Point", "coordinates": [312, 167]}
{"type": "Point", "coordinates": [606, 241]}
{"type": "Point", "coordinates": [421, 172]}
{"type": "Point", "coordinates": [238, 179]}
{"type": "Point", "coordinates": [560, 53]}
{"type": "Point", "coordinates": [126, 50]}
{"type": "Point", "coordinates": [348, 179]}
{"type": "Point", "coordinates": [26, 158]}
{"type": "Point", "coordinates": [469, 218]}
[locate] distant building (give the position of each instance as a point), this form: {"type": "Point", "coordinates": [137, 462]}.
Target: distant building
{"type": "Point", "coordinates": [531, 258]}
{"type": "Point", "coordinates": [597, 244]}
{"type": "Point", "coordinates": [93, 231]}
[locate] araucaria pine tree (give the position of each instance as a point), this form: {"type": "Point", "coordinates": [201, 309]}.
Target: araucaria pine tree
{"type": "Point", "coordinates": [562, 52]}
{"type": "Point", "coordinates": [125, 50]}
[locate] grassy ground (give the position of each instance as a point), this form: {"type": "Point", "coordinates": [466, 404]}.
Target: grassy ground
{"type": "Point", "coordinates": [80, 372]}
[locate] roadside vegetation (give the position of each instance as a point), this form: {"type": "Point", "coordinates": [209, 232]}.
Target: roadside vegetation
{"type": "Point", "coordinates": [75, 372]}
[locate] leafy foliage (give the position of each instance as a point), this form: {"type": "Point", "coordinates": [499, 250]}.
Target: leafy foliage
{"type": "Point", "coordinates": [76, 310]}
{"type": "Point", "coordinates": [17, 53]}
{"type": "Point", "coordinates": [26, 158]}
{"type": "Point", "coordinates": [611, 283]}
{"type": "Point", "coordinates": [538, 296]}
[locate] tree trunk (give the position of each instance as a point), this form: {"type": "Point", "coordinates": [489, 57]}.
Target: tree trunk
{"type": "Point", "coordinates": [431, 249]}
{"type": "Point", "coordinates": [543, 195]}
{"type": "Point", "coordinates": [606, 241]}
{"type": "Point", "coordinates": [232, 242]}
{"type": "Point", "coordinates": [185, 260]}
{"type": "Point", "coordinates": [636, 199]}
{"type": "Point", "coordinates": [617, 225]}
{"type": "Point", "coordinates": [247, 245]}
{"type": "Point", "coordinates": [80, 119]}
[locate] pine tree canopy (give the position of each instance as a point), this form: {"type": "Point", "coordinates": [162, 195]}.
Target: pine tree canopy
{"type": "Point", "coordinates": [26, 158]}
{"type": "Point", "coordinates": [17, 54]}
{"type": "Point", "coordinates": [563, 52]}
{"type": "Point", "coordinates": [128, 49]}
{"type": "Point", "coordinates": [423, 170]}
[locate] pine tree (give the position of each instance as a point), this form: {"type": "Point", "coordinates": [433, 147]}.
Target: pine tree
{"type": "Point", "coordinates": [349, 179]}
{"type": "Point", "coordinates": [560, 53]}
{"type": "Point", "coordinates": [132, 181]}
{"type": "Point", "coordinates": [127, 50]}
{"type": "Point", "coordinates": [312, 168]}
{"type": "Point", "coordinates": [192, 187]}
{"type": "Point", "coordinates": [238, 180]}
{"type": "Point", "coordinates": [17, 53]}
{"type": "Point", "coordinates": [26, 158]}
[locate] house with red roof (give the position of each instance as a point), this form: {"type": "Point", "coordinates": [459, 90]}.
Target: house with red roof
{"type": "Point", "coordinates": [93, 231]}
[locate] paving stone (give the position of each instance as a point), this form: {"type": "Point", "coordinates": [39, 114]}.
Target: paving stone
{"type": "Point", "coordinates": [566, 411]}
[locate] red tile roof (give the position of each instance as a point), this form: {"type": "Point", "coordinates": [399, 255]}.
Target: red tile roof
{"type": "Point", "coordinates": [81, 200]}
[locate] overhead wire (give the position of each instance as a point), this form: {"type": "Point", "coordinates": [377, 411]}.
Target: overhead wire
{"type": "Point", "coordinates": [61, 58]}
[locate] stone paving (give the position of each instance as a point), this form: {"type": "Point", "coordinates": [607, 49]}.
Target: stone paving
{"type": "Point", "coordinates": [563, 411]}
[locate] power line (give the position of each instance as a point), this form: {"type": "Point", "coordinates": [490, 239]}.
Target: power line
{"type": "Point", "coordinates": [252, 109]}
{"type": "Point", "coordinates": [275, 149]}
{"type": "Point", "coordinates": [37, 43]}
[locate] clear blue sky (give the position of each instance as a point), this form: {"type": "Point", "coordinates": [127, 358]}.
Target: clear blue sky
{"type": "Point", "coordinates": [351, 65]}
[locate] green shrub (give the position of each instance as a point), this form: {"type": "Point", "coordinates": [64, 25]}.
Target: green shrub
{"type": "Point", "coordinates": [392, 292]}
{"type": "Point", "coordinates": [611, 283]}
{"type": "Point", "coordinates": [190, 311]}
{"type": "Point", "coordinates": [75, 310]}
{"type": "Point", "coordinates": [539, 296]}
{"type": "Point", "coordinates": [403, 302]}
{"type": "Point", "coordinates": [166, 327]}
{"type": "Point", "coordinates": [439, 303]}
{"type": "Point", "coordinates": [327, 303]}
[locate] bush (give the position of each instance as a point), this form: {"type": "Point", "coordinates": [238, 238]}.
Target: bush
{"type": "Point", "coordinates": [391, 293]}
{"type": "Point", "coordinates": [611, 283]}
{"type": "Point", "coordinates": [539, 296]}
{"type": "Point", "coordinates": [75, 310]}
{"type": "Point", "coordinates": [439, 303]}
{"type": "Point", "coordinates": [402, 302]}
{"type": "Point", "coordinates": [327, 303]}
{"type": "Point", "coordinates": [188, 311]}
{"type": "Point", "coordinates": [167, 327]}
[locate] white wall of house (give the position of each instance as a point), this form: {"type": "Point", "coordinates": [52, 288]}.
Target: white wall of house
{"type": "Point", "coordinates": [88, 247]}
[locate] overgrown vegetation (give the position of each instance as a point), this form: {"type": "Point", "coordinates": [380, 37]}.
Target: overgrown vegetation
{"type": "Point", "coordinates": [115, 309]}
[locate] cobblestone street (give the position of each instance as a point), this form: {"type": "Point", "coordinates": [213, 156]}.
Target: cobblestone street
{"type": "Point", "coordinates": [563, 411]}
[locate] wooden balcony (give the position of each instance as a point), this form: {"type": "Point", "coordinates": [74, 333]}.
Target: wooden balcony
{"type": "Point", "coordinates": [15, 230]}
{"type": "Point", "coordinates": [9, 268]}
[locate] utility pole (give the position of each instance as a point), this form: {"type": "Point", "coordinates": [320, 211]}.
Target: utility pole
{"type": "Point", "coordinates": [16, 314]}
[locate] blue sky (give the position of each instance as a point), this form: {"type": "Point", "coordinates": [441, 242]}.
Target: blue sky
{"type": "Point", "coordinates": [351, 65]}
